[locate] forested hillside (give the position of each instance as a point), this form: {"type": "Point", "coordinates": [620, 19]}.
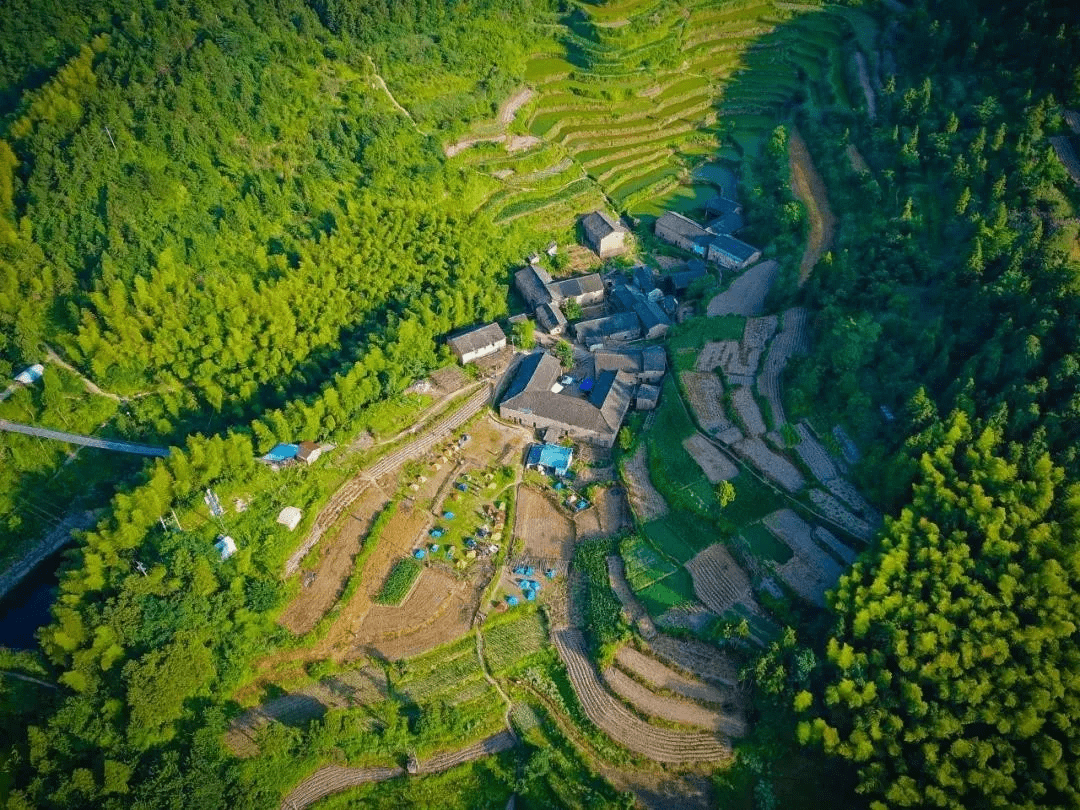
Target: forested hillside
{"type": "Point", "coordinates": [951, 299]}
{"type": "Point", "coordinates": [242, 221]}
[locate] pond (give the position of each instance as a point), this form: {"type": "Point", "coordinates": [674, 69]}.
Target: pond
{"type": "Point", "coordinates": [27, 607]}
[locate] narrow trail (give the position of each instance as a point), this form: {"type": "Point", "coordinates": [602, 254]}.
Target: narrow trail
{"type": "Point", "coordinates": [52, 357]}
{"type": "Point", "coordinates": [864, 82]}
{"type": "Point", "coordinates": [810, 189]}
{"type": "Point", "coordinates": [382, 83]}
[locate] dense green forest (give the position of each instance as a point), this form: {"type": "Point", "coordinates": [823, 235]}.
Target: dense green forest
{"type": "Point", "coordinates": [216, 212]}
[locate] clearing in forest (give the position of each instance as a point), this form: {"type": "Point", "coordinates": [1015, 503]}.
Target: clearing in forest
{"type": "Point", "coordinates": [809, 188]}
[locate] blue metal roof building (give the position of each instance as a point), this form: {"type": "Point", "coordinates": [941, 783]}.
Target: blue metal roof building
{"type": "Point", "coordinates": [552, 457]}
{"type": "Point", "coordinates": [282, 452]}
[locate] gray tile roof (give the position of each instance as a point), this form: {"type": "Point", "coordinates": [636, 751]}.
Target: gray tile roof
{"type": "Point", "coordinates": [733, 247]}
{"type": "Point", "coordinates": [721, 205]}
{"type": "Point", "coordinates": [727, 223]}
{"type": "Point", "coordinates": [579, 285]}
{"type": "Point", "coordinates": [672, 222]}
{"type": "Point", "coordinates": [599, 328]}
{"type": "Point", "coordinates": [550, 317]}
{"type": "Point", "coordinates": [479, 338]}
{"type": "Point", "coordinates": [532, 283]}
{"type": "Point", "coordinates": [599, 224]}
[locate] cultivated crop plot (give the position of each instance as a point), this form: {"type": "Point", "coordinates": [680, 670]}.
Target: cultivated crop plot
{"type": "Point", "coordinates": [835, 511]}
{"type": "Point", "coordinates": [791, 340]}
{"type": "Point", "coordinates": [716, 466]}
{"type": "Point", "coordinates": [696, 658]}
{"type": "Point", "coordinates": [719, 582]}
{"type": "Point", "coordinates": [661, 676]}
{"type": "Point", "coordinates": [647, 503]}
{"type": "Point", "coordinates": [673, 710]}
{"type": "Point", "coordinates": [547, 532]}
{"type": "Point", "coordinates": [830, 541]}
{"type": "Point", "coordinates": [846, 492]}
{"type": "Point", "coordinates": [613, 510]}
{"type": "Point", "coordinates": [739, 365]}
{"type": "Point", "coordinates": [813, 455]}
{"type": "Point", "coordinates": [706, 395]}
{"type": "Point", "coordinates": [811, 571]}
{"type": "Point", "coordinates": [759, 331]}
{"type": "Point", "coordinates": [506, 643]}
{"type": "Point", "coordinates": [659, 744]}
{"type": "Point", "coordinates": [324, 583]}
{"type": "Point", "coordinates": [742, 399]}
{"type": "Point", "coordinates": [771, 464]}
{"type": "Point", "coordinates": [633, 608]}
{"type": "Point", "coordinates": [746, 295]}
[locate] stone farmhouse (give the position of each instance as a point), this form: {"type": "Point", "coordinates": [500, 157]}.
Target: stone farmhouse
{"type": "Point", "coordinates": [477, 342]}
{"type": "Point", "coordinates": [720, 248]}
{"type": "Point", "coordinates": [536, 399]}
{"type": "Point", "coordinates": [544, 295]}
{"type": "Point", "coordinates": [606, 236]}
{"type": "Point", "coordinates": [645, 365]}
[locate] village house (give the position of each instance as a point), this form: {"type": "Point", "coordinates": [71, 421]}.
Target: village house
{"type": "Point", "coordinates": [715, 244]}
{"type": "Point", "coordinates": [597, 332]}
{"type": "Point", "coordinates": [679, 282]}
{"type": "Point", "coordinates": [644, 365]}
{"type": "Point", "coordinates": [544, 295]}
{"type": "Point", "coordinates": [534, 398]}
{"type": "Point", "coordinates": [604, 235]}
{"type": "Point", "coordinates": [654, 322]}
{"type": "Point", "coordinates": [684, 233]}
{"type": "Point", "coordinates": [478, 342]}
{"type": "Point", "coordinates": [647, 397]}
{"type": "Point", "coordinates": [732, 253]}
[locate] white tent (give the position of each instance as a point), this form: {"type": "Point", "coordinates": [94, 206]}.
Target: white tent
{"type": "Point", "coordinates": [290, 516]}
{"type": "Point", "coordinates": [226, 546]}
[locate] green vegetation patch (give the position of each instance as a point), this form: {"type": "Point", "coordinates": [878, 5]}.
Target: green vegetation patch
{"type": "Point", "coordinates": [673, 591]}
{"type": "Point", "coordinates": [764, 544]}
{"type": "Point", "coordinates": [400, 581]}
{"type": "Point", "coordinates": [696, 332]}
{"type": "Point", "coordinates": [680, 535]}
{"type": "Point", "coordinates": [513, 638]}
{"type": "Point", "coordinates": [604, 624]}
{"type": "Point", "coordinates": [644, 564]}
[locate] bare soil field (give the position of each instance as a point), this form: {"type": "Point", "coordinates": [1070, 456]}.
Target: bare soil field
{"type": "Point", "coordinates": [647, 503]}
{"type": "Point", "coordinates": [547, 532]}
{"type": "Point", "coordinates": [706, 395]}
{"type": "Point", "coordinates": [830, 541]}
{"type": "Point", "coordinates": [773, 466]}
{"type": "Point", "coordinates": [813, 455]}
{"type": "Point", "coordinates": [663, 677]}
{"type": "Point", "coordinates": [835, 511]}
{"type": "Point", "coordinates": [746, 295]}
{"type": "Point", "coordinates": [674, 710]}
{"type": "Point", "coordinates": [790, 340]}
{"type": "Point", "coordinates": [759, 331]}
{"type": "Point", "coordinates": [587, 524]}
{"type": "Point", "coordinates": [1066, 152]}
{"type": "Point", "coordinates": [609, 715]}
{"type": "Point", "coordinates": [335, 564]}
{"type": "Point", "coordinates": [809, 187]}
{"type": "Point", "coordinates": [664, 790]}
{"type": "Point", "coordinates": [738, 364]}
{"type": "Point", "coordinates": [845, 491]}
{"type": "Point", "coordinates": [742, 400]}
{"type": "Point", "coordinates": [695, 657]}
{"type": "Point", "coordinates": [613, 510]}
{"type": "Point", "coordinates": [811, 572]}
{"type": "Point", "coordinates": [716, 466]}
{"type": "Point", "coordinates": [719, 582]}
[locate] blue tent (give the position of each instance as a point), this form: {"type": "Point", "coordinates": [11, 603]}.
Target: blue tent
{"type": "Point", "coordinates": [419, 554]}
{"type": "Point", "coordinates": [470, 543]}
{"type": "Point", "coordinates": [282, 452]}
{"type": "Point", "coordinates": [434, 547]}
{"type": "Point", "coordinates": [529, 571]}
{"type": "Point", "coordinates": [436, 532]}
{"type": "Point", "coordinates": [520, 570]}
{"type": "Point", "coordinates": [530, 595]}
{"type": "Point", "coordinates": [461, 487]}
{"type": "Point", "coordinates": [550, 573]}
{"type": "Point", "coordinates": [448, 515]}
{"type": "Point", "coordinates": [511, 600]}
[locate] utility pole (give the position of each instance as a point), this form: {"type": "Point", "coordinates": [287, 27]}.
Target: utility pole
{"type": "Point", "coordinates": [109, 133]}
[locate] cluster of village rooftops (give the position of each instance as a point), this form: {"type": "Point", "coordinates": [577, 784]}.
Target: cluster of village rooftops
{"type": "Point", "coordinates": [618, 309]}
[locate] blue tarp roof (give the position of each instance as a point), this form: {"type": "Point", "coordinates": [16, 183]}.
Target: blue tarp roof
{"type": "Point", "coordinates": [551, 455]}
{"type": "Point", "coordinates": [586, 384]}
{"type": "Point", "coordinates": [282, 452]}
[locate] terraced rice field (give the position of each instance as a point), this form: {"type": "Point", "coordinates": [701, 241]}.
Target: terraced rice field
{"type": "Point", "coordinates": [615, 720]}
{"type": "Point", "coordinates": [635, 91]}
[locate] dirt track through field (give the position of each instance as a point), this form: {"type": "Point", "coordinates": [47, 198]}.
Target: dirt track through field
{"type": "Point", "coordinates": [810, 189]}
